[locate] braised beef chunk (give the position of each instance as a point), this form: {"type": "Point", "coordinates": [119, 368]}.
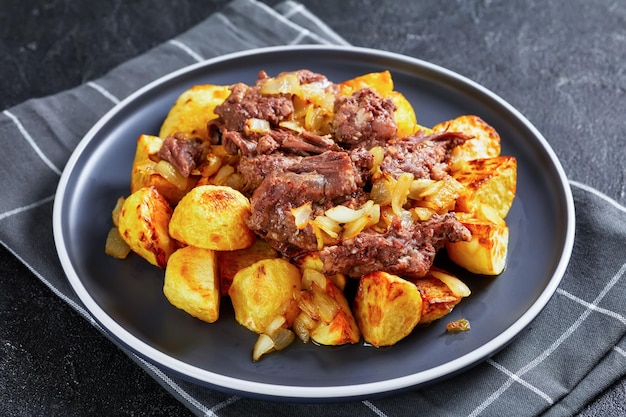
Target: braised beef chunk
{"type": "Point", "coordinates": [246, 102]}
{"type": "Point", "coordinates": [256, 169]}
{"type": "Point", "coordinates": [335, 172]}
{"type": "Point", "coordinates": [271, 206]}
{"type": "Point", "coordinates": [424, 156]}
{"type": "Point", "coordinates": [405, 250]}
{"type": "Point", "coordinates": [181, 152]}
{"type": "Point", "coordinates": [364, 119]}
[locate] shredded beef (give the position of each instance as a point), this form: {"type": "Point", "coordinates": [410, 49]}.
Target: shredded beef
{"type": "Point", "coordinates": [181, 152]}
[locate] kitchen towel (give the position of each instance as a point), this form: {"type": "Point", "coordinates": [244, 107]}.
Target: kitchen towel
{"type": "Point", "coordinates": [568, 355]}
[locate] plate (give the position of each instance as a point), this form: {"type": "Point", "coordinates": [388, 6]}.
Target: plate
{"type": "Point", "coordinates": [126, 297]}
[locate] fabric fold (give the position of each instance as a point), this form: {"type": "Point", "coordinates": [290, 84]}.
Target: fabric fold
{"type": "Point", "coordinates": [572, 351]}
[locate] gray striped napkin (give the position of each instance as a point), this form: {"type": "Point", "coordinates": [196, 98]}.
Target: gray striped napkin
{"type": "Point", "coordinates": [569, 354]}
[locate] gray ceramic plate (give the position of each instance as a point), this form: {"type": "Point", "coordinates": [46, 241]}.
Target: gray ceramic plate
{"type": "Point", "coordinates": [126, 298]}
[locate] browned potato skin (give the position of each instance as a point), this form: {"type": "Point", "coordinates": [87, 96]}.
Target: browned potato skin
{"type": "Point", "coordinates": [386, 308]}
{"type": "Point", "coordinates": [437, 299]}
{"type": "Point", "coordinates": [147, 148]}
{"type": "Point", "coordinates": [193, 109]}
{"type": "Point", "coordinates": [192, 283]}
{"type": "Point", "coordinates": [491, 181]}
{"type": "Point", "coordinates": [486, 252]}
{"type": "Point", "coordinates": [230, 262]}
{"type": "Point", "coordinates": [213, 217]}
{"type": "Point", "coordinates": [265, 290]}
{"type": "Point", "coordinates": [143, 224]}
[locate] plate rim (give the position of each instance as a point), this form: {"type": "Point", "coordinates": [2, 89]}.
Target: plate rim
{"type": "Point", "coordinates": [151, 356]}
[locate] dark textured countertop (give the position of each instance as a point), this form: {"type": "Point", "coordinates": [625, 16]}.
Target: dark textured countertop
{"type": "Point", "coordinates": [561, 63]}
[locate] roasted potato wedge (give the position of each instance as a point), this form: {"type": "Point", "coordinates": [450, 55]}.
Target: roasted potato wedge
{"type": "Point", "coordinates": [404, 115]}
{"type": "Point", "coordinates": [440, 292]}
{"type": "Point", "coordinates": [192, 283]}
{"type": "Point", "coordinates": [381, 82]}
{"type": "Point", "coordinates": [265, 290]}
{"type": "Point", "coordinates": [230, 262]}
{"type": "Point", "coordinates": [325, 314]}
{"type": "Point", "coordinates": [490, 181]}
{"type": "Point", "coordinates": [193, 109]}
{"type": "Point", "coordinates": [212, 217]}
{"type": "Point", "coordinates": [485, 142]}
{"type": "Point", "coordinates": [143, 224]}
{"type": "Point", "coordinates": [486, 252]}
{"type": "Point", "coordinates": [145, 174]}
{"type": "Point", "coordinates": [386, 308]}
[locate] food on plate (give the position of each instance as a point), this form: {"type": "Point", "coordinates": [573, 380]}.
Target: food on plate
{"type": "Point", "coordinates": [192, 283]}
{"type": "Point", "coordinates": [192, 110]}
{"type": "Point", "coordinates": [487, 181]}
{"type": "Point", "coordinates": [151, 171]}
{"type": "Point", "coordinates": [230, 262]}
{"type": "Point", "coordinates": [317, 207]}
{"type": "Point", "coordinates": [386, 307]}
{"type": "Point", "coordinates": [485, 253]}
{"type": "Point", "coordinates": [440, 291]}
{"type": "Point", "coordinates": [458, 326]}
{"type": "Point", "coordinates": [325, 316]}
{"type": "Point", "coordinates": [212, 217]}
{"type": "Point", "coordinates": [265, 290]}
{"type": "Point", "coordinates": [143, 224]}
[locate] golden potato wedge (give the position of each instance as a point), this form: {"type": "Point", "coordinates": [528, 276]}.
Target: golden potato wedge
{"type": "Point", "coordinates": [440, 292]}
{"type": "Point", "coordinates": [485, 142]}
{"type": "Point", "coordinates": [144, 171]}
{"type": "Point", "coordinates": [143, 224]}
{"type": "Point", "coordinates": [486, 252]}
{"type": "Point", "coordinates": [192, 283]}
{"type": "Point", "coordinates": [265, 290]}
{"type": "Point", "coordinates": [381, 82]}
{"type": "Point", "coordinates": [212, 217]}
{"type": "Point", "coordinates": [386, 308]}
{"type": "Point", "coordinates": [230, 262]}
{"type": "Point", "coordinates": [490, 181]}
{"type": "Point", "coordinates": [328, 319]}
{"type": "Point", "coordinates": [193, 109]}
{"type": "Point", "coordinates": [404, 115]}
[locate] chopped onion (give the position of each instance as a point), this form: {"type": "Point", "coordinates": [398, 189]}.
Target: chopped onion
{"type": "Point", "coordinates": [291, 125]}
{"type": "Point", "coordinates": [311, 276]}
{"type": "Point", "coordinates": [302, 215]}
{"type": "Point", "coordinates": [401, 192]}
{"type": "Point", "coordinates": [254, 125]}
{"type": "Point", "coordinates": [300, 329]}
{"type": "Point", "coordinates": [378, 154]}
{"type": "Point", "coordinates": [115, 245]}
{"type": "Point", "coordinates": [275, 324]}
{"type": "Point", "coordinates": [115, 214]}
{"type": "Point", "coordinates": [282, 338]}
{"type": "Point", "coordinates": [285, 84]}
{"type": "Point", "coordinates": [328, 225]}
{"type": "Point", "coordinates": [223, 174]}
{"type": "Point", "coordinates": [263, 345]}
{"type": "Point", "coordinates": [326, 305]}
{"type": "Point", "coordinates": [171, 174]}
{"type": "Point", "coordinates": [458, 287]}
